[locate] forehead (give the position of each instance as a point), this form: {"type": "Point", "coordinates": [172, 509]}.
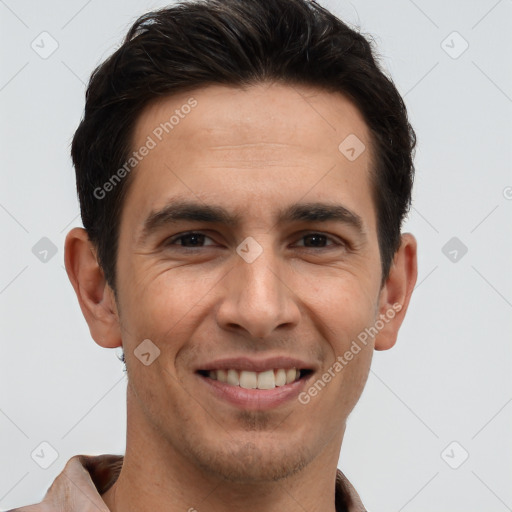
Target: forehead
{"type": "Point", "coordinates": [258, 147]}
{"type": "Point", "coordinates": [269, 114]}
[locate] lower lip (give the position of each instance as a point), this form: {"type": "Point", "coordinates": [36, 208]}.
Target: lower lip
{"type": "Point", "coordinates": [255, 399]}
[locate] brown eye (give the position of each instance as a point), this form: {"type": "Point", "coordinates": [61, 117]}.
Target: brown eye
{"type": "Point", "coordinates": [319, 241]}
{"type": "Point", "coordinates": [316, 240]}
{"type": "Point", "coordinates": [189, 240]}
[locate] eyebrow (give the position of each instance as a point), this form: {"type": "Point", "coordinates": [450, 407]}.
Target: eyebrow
{"type": "Point", "coordinates": [185, 210]}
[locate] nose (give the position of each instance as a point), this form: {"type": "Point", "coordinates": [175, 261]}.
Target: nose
{"type": "Point", "coordinates": [258, 297]}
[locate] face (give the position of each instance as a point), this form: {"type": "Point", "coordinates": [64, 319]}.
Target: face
{"type": "Point", "coordinates": [248, 255]}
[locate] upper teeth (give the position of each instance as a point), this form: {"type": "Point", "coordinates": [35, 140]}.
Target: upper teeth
{"type": "Point", "coordinates": [268, 379]}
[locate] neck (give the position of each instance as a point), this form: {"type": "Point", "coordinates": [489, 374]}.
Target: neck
{"type": "Point", "coordinates": [157, 476]}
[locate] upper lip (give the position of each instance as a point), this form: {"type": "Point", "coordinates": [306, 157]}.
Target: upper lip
{"type": "Point", "coordinates": [256, 365]}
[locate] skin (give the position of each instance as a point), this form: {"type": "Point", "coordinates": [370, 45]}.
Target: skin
{"type": "Point", "coordinates": [252, 151]}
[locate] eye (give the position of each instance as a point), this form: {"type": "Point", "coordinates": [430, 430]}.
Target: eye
{"type": "Point", "coordinates": [318, 241]}
{"type": "Point", "coordinates": [189, 240]}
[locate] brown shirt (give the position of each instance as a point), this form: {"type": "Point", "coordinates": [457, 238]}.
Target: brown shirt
{"type": "Point", "coordinates": [85, 478]}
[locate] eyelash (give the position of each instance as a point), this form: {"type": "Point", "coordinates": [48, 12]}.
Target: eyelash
{"type": "Point", "coordinates": [335, 243]}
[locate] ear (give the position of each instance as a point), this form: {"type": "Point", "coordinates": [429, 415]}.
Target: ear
{"type": "Point", "coordinates": [96, 298]}
{"type": "Point", "coordinates": [396, 292]}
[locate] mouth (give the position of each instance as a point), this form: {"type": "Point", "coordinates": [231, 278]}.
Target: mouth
{"type": "Point", "coordinates": [255, 385]}
{"type": "Point", "coordinates": [263, 380]}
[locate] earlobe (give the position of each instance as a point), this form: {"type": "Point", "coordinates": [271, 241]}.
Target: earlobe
{"type": "Point", "coordinates": [396, 292]}
{"type": "Point", "coordinates": [95, 296]}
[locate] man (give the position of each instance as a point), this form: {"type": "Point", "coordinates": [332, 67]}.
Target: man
{"type": "Point", "coordinates": [243, 169]}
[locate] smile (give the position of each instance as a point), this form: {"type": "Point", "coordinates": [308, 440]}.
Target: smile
{"type": "Point", "coordinates": [267, 379]}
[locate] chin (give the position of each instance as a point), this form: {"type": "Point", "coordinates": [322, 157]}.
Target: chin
{"type": "Point", "coordinates": [250, 461]}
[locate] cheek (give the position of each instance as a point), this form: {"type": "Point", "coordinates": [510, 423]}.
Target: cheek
{"type": "Point", "coordinates": [161, 300]}
{"type": "Point", "coordinates": [343, 308]}
{"type": "Point", "coordinates": [349, 320]}
{"type": "Point", "coordinates": [353, 309]}
{"type": "Point", "coordinates": [346, 305]}
{"type": "Point", "coordinates": [338, 387]}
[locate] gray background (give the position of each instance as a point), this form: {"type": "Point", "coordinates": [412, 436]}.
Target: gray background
{"type": "Point", "coordinates": [448, 378]}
